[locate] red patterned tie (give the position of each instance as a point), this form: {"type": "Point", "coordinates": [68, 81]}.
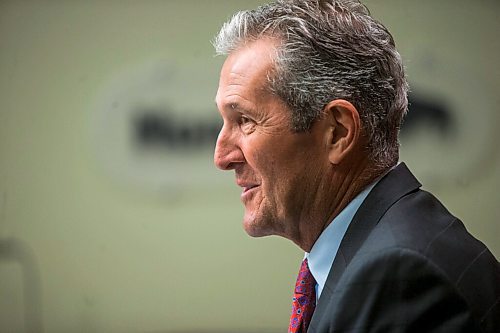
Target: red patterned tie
{"type": "Point", "coordinates": [304, 300]}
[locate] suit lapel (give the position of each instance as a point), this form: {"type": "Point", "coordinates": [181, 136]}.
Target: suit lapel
{"type": "Point", "coordinates": [389, 189]}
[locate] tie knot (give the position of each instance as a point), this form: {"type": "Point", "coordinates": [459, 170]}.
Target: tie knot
{"type": "Point", "coordinates": [305, 281]}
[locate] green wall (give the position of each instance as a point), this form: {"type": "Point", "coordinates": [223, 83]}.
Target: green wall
{"type": "Point", "coordinates": [132, 242]}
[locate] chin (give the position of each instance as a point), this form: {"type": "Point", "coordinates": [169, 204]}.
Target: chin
{"type": "Point", "coordinates": [253, 231]}
{"type": "Point", "coordinates": [257, 228]}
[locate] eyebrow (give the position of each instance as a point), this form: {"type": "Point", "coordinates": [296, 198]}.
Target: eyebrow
{"type": "Point", "coordinates": [235, 106]}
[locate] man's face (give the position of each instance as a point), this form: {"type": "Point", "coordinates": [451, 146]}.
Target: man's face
{"type": "Point", "coordinates": [280, 172]}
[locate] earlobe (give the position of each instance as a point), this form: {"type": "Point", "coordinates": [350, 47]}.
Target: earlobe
{"type": "Point", "coordinates": [345, 129]}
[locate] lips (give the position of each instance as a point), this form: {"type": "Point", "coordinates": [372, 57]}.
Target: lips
{"type": "Point", "coordinates": [248, 192]}
{"type": "Point", "coordinates": [248, 188]}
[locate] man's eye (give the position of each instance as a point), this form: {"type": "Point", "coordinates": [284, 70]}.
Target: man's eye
{"type": "Point", "coordinates": [247, 124]}
{"type": "Point", "coordinates": [244, 120]}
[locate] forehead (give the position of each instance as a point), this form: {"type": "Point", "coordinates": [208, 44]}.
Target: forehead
{"type": "Point", "coordinates": [245, 71]}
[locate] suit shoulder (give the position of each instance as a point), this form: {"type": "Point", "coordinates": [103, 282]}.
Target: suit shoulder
{"type": "Point", "coordinates": [395, 290]}
{"type": "Point", "coordinates": [419, 222]}
{"type": "Point", "coordinates": [419, 226]}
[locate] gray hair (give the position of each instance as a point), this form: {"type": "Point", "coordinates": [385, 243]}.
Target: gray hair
{"type": "Point", "coordinates": [327, 50]}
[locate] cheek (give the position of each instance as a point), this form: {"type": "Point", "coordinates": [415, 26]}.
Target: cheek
{"type": "Point", "coordinates": [280, 182]}
{"type": "Point", "coordinates": [261, 158]}
{"type": "Point", "coordinates": [297, 179]}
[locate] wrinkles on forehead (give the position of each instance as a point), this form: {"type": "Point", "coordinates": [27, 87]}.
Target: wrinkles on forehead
{"type": "Point", "coordinates": [244, 75]}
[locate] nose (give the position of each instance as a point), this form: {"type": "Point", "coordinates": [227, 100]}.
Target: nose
{"type": "Point", "coordinates": [227, 152]}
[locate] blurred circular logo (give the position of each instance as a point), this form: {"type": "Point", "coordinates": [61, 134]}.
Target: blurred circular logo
{"type": "Point", "coordinates": [154, 127]}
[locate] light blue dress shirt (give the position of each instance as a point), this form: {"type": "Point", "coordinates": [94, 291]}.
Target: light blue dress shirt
{"type": "Point", "coordinates": [324, 250]}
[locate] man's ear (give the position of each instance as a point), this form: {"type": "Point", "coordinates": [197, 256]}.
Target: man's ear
{"type": "Point", "coordinates": [344, 130]}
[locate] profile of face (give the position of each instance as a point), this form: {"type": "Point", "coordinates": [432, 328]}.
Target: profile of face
{"type": "Point", "coordinates": [280, 171]}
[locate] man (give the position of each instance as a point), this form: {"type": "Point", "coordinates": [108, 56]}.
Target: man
{"type": "Point", "coordinates": [312, 95]}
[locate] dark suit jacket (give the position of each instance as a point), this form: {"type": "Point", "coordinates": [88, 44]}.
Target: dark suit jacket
{"type": "Point", "coordinates": [407, 265]}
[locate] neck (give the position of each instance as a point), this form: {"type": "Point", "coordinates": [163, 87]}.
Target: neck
{"type": "Point", "coordinates": [345, 183]}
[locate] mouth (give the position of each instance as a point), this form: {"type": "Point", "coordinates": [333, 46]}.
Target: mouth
{"type": "Point", "coordinates": [249, 187]}
{"type": "Point", "coordinates": [248, 192]}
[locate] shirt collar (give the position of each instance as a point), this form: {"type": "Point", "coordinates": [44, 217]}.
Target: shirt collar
{"type": "Point", "coordinates": [324, 250]}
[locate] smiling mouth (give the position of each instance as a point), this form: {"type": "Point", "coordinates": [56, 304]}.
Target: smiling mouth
{"type": "Point", "coordinates": [248, 188]}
